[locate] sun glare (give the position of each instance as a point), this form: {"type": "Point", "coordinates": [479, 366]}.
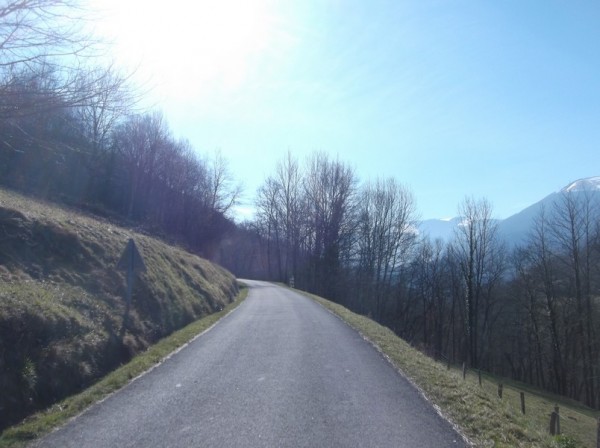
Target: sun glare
{"type": "Point", "coordinates": [186, 47]}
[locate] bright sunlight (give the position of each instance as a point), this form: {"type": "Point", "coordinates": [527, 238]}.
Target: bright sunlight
{"type": "Point", "coordinates": [184, 47]}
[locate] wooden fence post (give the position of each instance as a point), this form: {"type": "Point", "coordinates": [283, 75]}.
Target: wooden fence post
{"type": "Point", "coordinates": [479, 376]}
{"type": "Point", "coordinates": [556, 410]}
{"type": "Point", "coordinates": [598, 434]}
{"type": "Point", "coordinates": [523, 402]}
{"type": "Point", "coordinates": [464, 370]}
{"type": "Point", "coordinates": [500, 387]}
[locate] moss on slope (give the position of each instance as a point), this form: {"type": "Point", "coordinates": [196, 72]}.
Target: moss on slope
{"type": "Point", "coordinates": [62, 307]}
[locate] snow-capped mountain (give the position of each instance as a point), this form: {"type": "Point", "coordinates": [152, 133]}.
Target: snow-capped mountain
{"type": "Point", "coordinates": [590, 184]}
{"type": "Point", "coordinates": [515, 229]}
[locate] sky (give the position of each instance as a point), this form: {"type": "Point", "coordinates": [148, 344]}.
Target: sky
{"type": "Point", "coordinates": [495, 99]}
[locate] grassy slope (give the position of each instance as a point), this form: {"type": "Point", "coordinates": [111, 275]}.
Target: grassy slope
{"type": "Point", "coordinates": [577, 421]}
{"type": "Point", "coordinates": [62, 307]}
{"type": "Point", "coordinates": [486, 420]}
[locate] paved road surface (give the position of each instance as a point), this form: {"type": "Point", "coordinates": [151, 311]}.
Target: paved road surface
{"type": "Point", "coordinates": [280, 371]}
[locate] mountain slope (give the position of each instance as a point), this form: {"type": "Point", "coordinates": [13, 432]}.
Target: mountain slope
{"type": "Point", "coordinates": [62, 307]}
{"type": "Point", "coordinates": [516, 228]}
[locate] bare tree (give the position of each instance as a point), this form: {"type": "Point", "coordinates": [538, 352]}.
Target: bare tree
{"type": "Point", "coordinates": [429, 278]}
{"type": "Point", "coordinates": [180, 181]}
{"type": "Point", "coordinates": [481, 259]}
{"type": "Point", "coordinates": [292, 205]}
{"type": "Point", "coordinates": [224, 192]}
{"type": "Point", "coordinates": [281, 205]}
{"type": "Point", "coordinates": [33, 31]}
{"type": "Point", "coordinates": [542, 265]}
{"type": "Point", "coordinates": [571, 228]}
{"type": "Point", "coordinates": [138, 141]}
{"type": "Point", "coordinates": [330, 187]}
{"type": "Point", "coordinates": [44, 39]}
{"type": "Point", "coordinates": [385, 234]}
{"type": "Point", "coordinates": [111, 98]}
{"type": "Point", "coordinates": [269, 221]}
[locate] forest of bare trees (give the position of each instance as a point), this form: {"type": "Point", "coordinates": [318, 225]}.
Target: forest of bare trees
{"type": "Point", "coordinates": [556, 287]}
{"type": "Point", "coordinates": [528, 312]}
{"type": "Point", "coordinates": [72, 132]}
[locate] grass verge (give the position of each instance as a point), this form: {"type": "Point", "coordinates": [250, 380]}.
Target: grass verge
{"type": "Point", "coordinates": [43, 422]}
{"type": "Point", "coordinates": [477, 412]}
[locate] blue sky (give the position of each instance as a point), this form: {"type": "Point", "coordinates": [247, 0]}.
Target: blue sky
{"type": "Point", "coordinates": [495, 99]}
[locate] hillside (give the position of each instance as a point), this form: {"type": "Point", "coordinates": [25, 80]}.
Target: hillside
{"type": "Point", "coordinates": [516, 228]}
{"type": "Point", "coordinates": [62, 307]}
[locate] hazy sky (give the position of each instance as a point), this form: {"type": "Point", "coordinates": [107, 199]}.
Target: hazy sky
{"type": "Point", "coordinates": [496, 99]}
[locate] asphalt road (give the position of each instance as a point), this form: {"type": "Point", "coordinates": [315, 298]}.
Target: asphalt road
{"type": "Point", "coordinates": [280, 371]}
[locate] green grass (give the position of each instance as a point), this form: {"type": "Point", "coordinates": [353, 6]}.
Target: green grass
{"type": "Point", "coordinates": [43, 422]}
{"type": "Point", "coordinates": [482, 417]}
{"type": "Point", "coordinates": [62, 300]}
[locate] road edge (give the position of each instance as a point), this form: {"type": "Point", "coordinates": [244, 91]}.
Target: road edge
{"type": "Point", "coordinates": [389, 360]}
{"type": "Point", "coordinates": [29, 432]}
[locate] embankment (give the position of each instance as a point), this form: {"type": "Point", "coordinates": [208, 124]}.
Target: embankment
{"type": "Point", "coordinates": [62, 301]}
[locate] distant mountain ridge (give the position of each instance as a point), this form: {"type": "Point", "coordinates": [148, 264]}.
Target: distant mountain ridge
{"type": "Point", "coordinates": [515, 229]}
{"type": "Point", "coordinates": [439, 228]}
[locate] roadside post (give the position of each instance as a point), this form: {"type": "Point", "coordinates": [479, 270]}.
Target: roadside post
{"type": "Point", "coordinates": [131, 262]}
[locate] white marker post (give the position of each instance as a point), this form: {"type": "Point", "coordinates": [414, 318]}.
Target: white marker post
{"type": "Point", "coordinates": [131, 262]}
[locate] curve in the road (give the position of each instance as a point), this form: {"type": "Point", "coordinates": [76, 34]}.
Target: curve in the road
{"type": "Point", "coordinates": [280, 371]}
